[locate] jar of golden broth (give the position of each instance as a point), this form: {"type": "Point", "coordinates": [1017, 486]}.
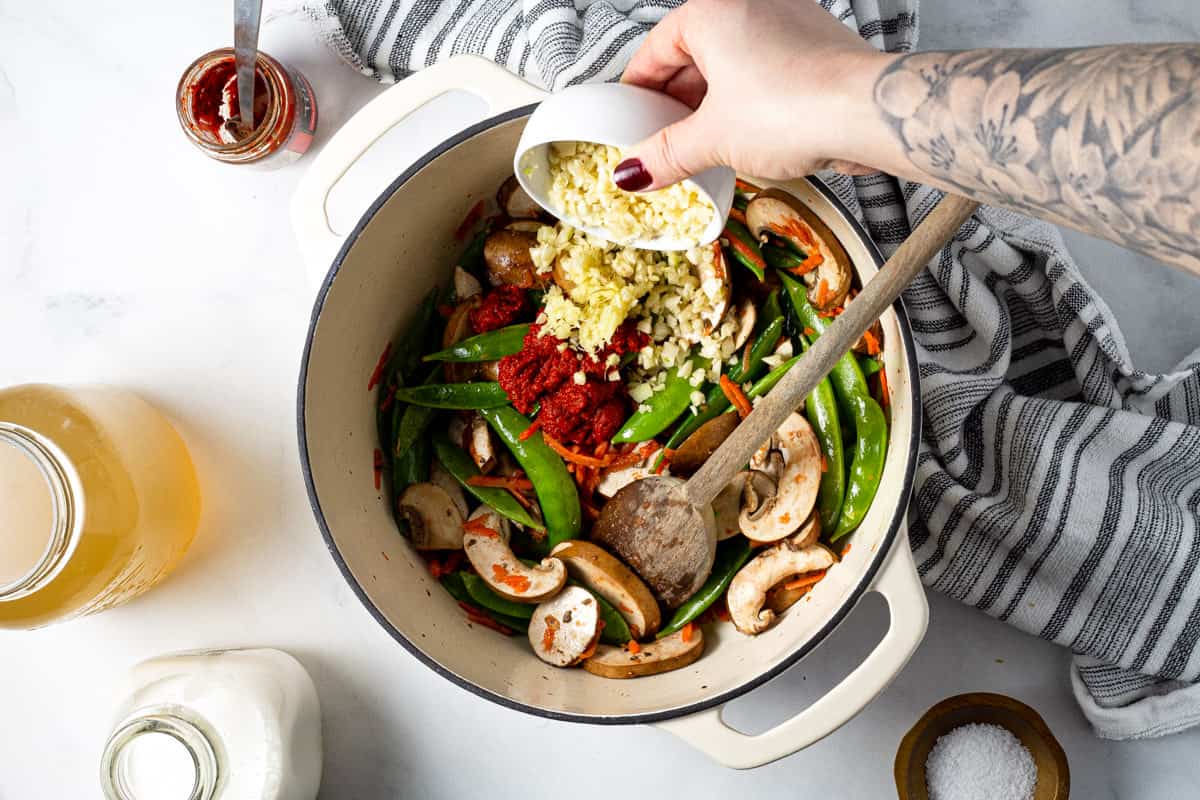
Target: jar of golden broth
{"type": "Point", "coordinates": [98, 501]}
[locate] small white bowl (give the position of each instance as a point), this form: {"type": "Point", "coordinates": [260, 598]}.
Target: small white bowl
{"type": "Point", "coordinates": [621, 116]}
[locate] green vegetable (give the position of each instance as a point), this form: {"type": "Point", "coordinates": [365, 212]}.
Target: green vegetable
{"type": "Point", "coordinates": [455, 585]}
{"type": "Point", "coordinates": [767, 382]}
{"type": "Point", "coordinates": [454, 395]}
{"type": "Point", "coordinates": [662, 408]}
{"type": "Point", "coordinates": [855, 402]}
{"type": "Point", "coordinates": [459, 464]}
{"type": "Point", "coordinates": [744, 248]}
{"type": "Point", "coordinates": [414, 421]}
{"type": "Point", "coordinates": [781, 257]}
{"type": "Point", "coordinates": [732, 554]}
{"type": "Point", "coordinates": [869, 365]}
{"type": "Point", "coordinates": [472, 257]}
{"type": "Point", "coordinates": [552, 483]}
{"type": "Point", "coordinates": [484, 347]}
{"type": "Point", "coordinates": [418, 338]}
{"type": "Point", "coordinates": [412, 466]}
{"type": "Point", "coordinates": [616, 630]}
{"type": "Point", "coordinates": [760, 348]}
{"type": "Point", "coordinates": [482, 594]}
{"type": "Point", "coordinates": [399, 371]}
{"type": "Point", "coordinates": [821, 410]}
{"type": "Point", "coordinates": [740, 201]}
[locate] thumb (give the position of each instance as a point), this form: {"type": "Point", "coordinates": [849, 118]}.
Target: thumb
{"type": "Point", "coordinates": [676, 152]}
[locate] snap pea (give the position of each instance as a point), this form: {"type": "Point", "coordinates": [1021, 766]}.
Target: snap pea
{"type": "Point", "coordinates": [484, 347]}
{"type": "Point", "coordinates": [483, 595]}
{"type": "Point", "coordinates": [740, 201]}
{"type": "Point", "coordinates": [412, 466]}
{"type": "Point", "coordinates": [662, 408]}
{"type": "Point", "coordinates": [744, 248]}
{"type": "Point", "coordinates": [419, 336]}
{"type": "Point", "coordinates": [414, 420]}
{"type": "Point", "coordinates": [821, 410]}
{"type": "Point", "coordinates": [781, 257]}
{"type": "Point", "coordinates": [762, 347]}
{"type": "Point", "coordinates": [455, 586]}
{"type": "Point", "coordinates": [869, 365]}
{"type": "Point", "coordinates": [855, 401]}
{"type": "Point", "coordinates": [732, 554]}
{"type": "Point", "coordinates": [552, 483]}
{"type": "Point", "coordinates": [767, 382]}
{"type": "Point", "coordinates": [460, 396]}
{"type": "Point", "coordinates": [399, 371]}
{"type": "Point", "coordinates": [616, 630]}
{"type": "Point", "coordinates": [472, 257]}
{"type": "Point", "coordinates": [459, 464]}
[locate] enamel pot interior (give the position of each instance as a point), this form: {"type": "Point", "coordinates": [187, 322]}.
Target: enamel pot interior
{"type": "Point", "coordinates": [403, 246]}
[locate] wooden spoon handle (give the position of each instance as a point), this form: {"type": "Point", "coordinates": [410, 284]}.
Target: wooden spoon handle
{"type": "Point", "coordinates": [938, 227]}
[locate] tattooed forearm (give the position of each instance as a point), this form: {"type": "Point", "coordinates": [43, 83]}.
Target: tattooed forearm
{"type": "Point", "coordinates": [1106, 139]}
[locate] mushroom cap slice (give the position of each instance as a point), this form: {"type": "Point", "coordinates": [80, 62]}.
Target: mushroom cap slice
{"type": "Point", "coordinates": [614, 480]}
{"type": "Point", "coordinates": [727, 506]}
{"type": "Point", "coordinates": [746, 312]}
{"type": "Point", "coordinates": [796, 478]}
{"type": "Point", "coordinates": [485, 539]}
{"type": "Point", "coordinates": [778, 213]}
{"type": "Point", "coordinates": [670, 543]}
{"type": "Point", "coordinates": [599, 571]}
{"type": "Point", "coordinates": [513, 200]}
{"type": "Point", "coordinates": [668, 653]}
{"type": "Point", "coordinates": [704, 441]}
{"type": "Point", "coordinates": [458, 327]}
{"type": "Point", "coordinates": [524, 226]}
{"type": "Point", "coordinates": [434, 520]}
{"type": "Point", "coordinates": [714, 282]}
{"type": "Point", "coordinates": [480, 445]}
{"type": "Point", "coordinates": [565, 629]}
{"type": "Point", "coordinates": [440, 477]}
{"type": "Point", "coordinates": [466, 285]}
{"type": "Point", "coordinates": [748, 591]}
{"type": "Point", "coordinates": [507, 258]}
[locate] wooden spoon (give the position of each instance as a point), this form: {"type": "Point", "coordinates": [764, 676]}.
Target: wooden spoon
{"type": "Point", "coordinates": [661, 513]}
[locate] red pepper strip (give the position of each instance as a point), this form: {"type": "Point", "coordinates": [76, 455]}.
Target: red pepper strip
{"type": "Point", "coordinates": [378, 468]}
{"type": "Point", "coordinates": [738, 214]}
{"type": "Point", "coordinates": [744, 249]}
{"type": "Point", "coordinates": [531, 430]}
{"type": "Point", "coordinates": [745, 186]}
{"type": "Point", "coordinates": [884, 397]}
{"type": "Point", "coordinates": [380, 366]}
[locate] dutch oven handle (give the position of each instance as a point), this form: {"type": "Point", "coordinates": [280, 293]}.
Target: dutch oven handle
{"type": "Point", "coordinates": [496, 86]}
{"type": "Point", "coordinates": [901, 587]}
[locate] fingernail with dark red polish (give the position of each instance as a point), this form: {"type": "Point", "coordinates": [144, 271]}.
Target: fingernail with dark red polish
{"type": "Point", "coordinates": [631, 176]}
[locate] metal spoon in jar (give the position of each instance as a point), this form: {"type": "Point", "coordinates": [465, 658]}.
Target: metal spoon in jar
{"type": "Point", "coordinates": [246, 17]}
{"type": "Point", "coordinates": [673, 519]}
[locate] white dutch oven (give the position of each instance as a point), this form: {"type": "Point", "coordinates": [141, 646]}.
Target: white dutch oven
{"type": "Point", "coordinates": [402, 246]}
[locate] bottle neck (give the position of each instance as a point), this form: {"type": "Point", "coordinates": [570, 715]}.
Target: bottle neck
{"type": "Point", "coordinates": [160, 754]}
{"type": "Point", "coordinates": [63, 527]}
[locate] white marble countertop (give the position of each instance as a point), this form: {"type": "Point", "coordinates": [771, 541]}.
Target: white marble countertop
{"type": "Point", "coordinates": [127, 257]}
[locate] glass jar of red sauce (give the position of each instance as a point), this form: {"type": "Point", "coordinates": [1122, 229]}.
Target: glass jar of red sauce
{"type": "Point", "coordinates": [285, 111]}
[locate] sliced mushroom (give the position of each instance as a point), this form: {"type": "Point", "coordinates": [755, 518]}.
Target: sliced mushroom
{"type": "Point", "coordinates": [481, 447]}
{"type": "Point", "coordinates": [696, 449]}
{"type": "Point", "coordinates": [466, 285]}
{"type": "Point", "coordinates": [488, 370]}
{"type": "Point", "coordinates": [506, 256]}
{"type": "Point", "coordinates": [596, 569]}
{"type": "Point", "coordinates": [440, 477]}
{"type": "Point", "coordinates": [727, 506]}
{"type": "Point", "coordinates": [434, 520]}
{"type": "Point", "coordinates": [515, 202]}
{"type": "Point", "coordinates": [781, 598]}
{"type": "Point", "coordinates": [673, 559]}
{"type": "Point", "coordinates": [613, 480]}
{"type": "Point", "coordinates": [458, 429]}
{"type": "Point", "coordinates": [746, 312]}
{"type": "Point", "coordinates": [565, 630]}
{"type": "Point", "coordinates": [748, 590]}
{"type": "Point", "coordinates": [778, 213]}
{"type": "Point", "coordinates": [485, 538]}
{"type": "Point", "coordinates": [458, 327]}
{"type": "Point", "coordinates": [524, 226]}
{"type": "Point", "coordinates": [668, 653]}
{"type": "Point", "coordinates": [714, 283]}
{"type": "Point", "coordinates": [782, 352]}
{"type": "Point", "coordinates": [560, 277]}
{"type": "Point", "coordinates": [781, 489]}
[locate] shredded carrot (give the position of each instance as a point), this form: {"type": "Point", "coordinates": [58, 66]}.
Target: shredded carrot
{"type": "Point", "coordinates": [822, 292]}
{"type": "Point", "coordinates": [688, 630]}
{"type": "Point", "coordinates": [798, 230]}
{"type": "Point", "coordinates": [500, 482]}
{"type": "Point", "coordinates": [385, 555]}
{"type": "Point", "coordinates": [721, 611]}
{"type": "Point", "coordinates": [634, 454]}
{"type": "Point", "coordinates": [525, 502]}
{"type": "Point", "coordinates": [744, 186]}
{"type": "Point", "coordinates": [518, 583]}
{"type": "Point", "coordinates": [738, 214]}
{"type": "Point", "coordinates": [591, 650]}
{"type": "Point", "coordinates": [824, 464]}
{"type": "Point", "coordinates": [809, 332]}
{"type": "Point", "coordinates": [480, 528]}
{"type": "Point", "coordinates": [809, 579]}
{"type": "Point", "coordinates": [871, 342]}
{"type": "Point", "coordinates": [633, 647]}
{"type": "Point", "coordinates": [378, 468]}
{"type": "Point", "coordinates": [666, 459]}
{"type": "Point", "coordinates": [479, 618]}
{"type": "Point", "coordinates": [592, 481]}
{"type": "Point", "coordinates": [380, 366]}
{"type": "Point", "coordinates": [845, 549]}
{"type": "Point", "coordinates": [452, 561]}
{"type": "Point", "coordinates": [601, 449]}
{"type": "Point", "coordinates": [810, 262]}
{"type": "Point", "coordinates": [388, 399]}
{"type": "Point", "coordinates": [736, 396]}
{"type": "Point", "coordinates": [884, 398]}
{"type": "Point", "coordinates": [473, 216]}
{"type": "Point", "coordinates": [743, 248]}
{"type": "Point", "coordinates": [590, 510]}
{"type": "Point", "coordinates": [531, 430]}
{"type": "Point", "coordinates": [549, 634]}
{"type": "Point", "coordinates": [573, 457]}
{"type": "Point", "coordinates": [830, 313]}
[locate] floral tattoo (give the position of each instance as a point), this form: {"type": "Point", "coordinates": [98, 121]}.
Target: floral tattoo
{"type": "Point", "coordinates": [1103, 139]}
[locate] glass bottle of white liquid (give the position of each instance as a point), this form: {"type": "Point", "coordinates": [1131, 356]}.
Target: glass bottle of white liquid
{"type": "Point", "coordinates": [216, 725]}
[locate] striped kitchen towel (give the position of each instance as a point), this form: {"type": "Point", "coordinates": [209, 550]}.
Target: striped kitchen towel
{"type": "Point", "coordinates": [1058, 486]}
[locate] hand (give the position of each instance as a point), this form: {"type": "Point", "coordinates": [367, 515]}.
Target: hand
{"type": "Point", "coordinates": [779, 88]}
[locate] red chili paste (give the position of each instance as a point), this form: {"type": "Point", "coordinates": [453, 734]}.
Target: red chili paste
{"type": "Point", "coordinates": [501, 306]}
{"type": "Point", "coordinates": [215, 100]}
{"type": "Point", "coordinates": [584, 414]}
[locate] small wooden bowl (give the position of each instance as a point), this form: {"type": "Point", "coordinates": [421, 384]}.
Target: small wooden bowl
{"type": "Point", "coordinates": [1053, 774]}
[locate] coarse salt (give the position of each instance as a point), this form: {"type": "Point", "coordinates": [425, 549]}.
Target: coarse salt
{"type": "Point", "coordinates": [980, 762]}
